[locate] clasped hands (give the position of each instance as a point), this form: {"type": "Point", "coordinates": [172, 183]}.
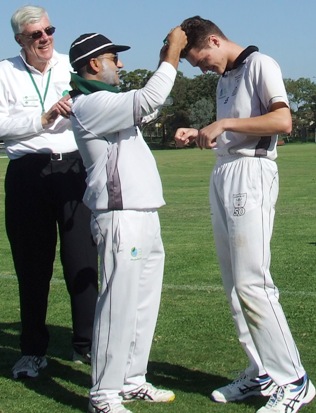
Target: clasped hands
{"type": "Point", "coordinates": [60, 108]}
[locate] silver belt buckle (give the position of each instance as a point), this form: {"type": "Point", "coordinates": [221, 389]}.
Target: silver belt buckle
{"type": "Point", "coordinates": [56, 156]}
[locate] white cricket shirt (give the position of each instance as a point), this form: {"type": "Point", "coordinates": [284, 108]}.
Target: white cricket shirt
{"type": "Point", "coordinates": [249, 91]}
{"type": "Point", "coordinates": [122, 172]}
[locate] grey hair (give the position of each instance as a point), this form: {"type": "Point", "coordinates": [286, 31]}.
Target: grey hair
{"type": "Point", "coordinates": [26, 15]}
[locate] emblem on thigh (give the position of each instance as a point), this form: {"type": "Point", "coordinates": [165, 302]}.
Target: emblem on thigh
{"type": "Point", "coordinates": [239, 201]}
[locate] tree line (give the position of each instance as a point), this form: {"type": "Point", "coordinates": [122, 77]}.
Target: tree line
{"type": "Point", "coordinates": [192, 104]}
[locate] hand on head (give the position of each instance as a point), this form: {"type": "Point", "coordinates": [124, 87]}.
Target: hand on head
{"type": "Point", "coordinates": [176, 38]}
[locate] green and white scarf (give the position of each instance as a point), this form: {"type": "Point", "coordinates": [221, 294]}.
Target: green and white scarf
{"type": "Point", "coordinates": [80, 85]}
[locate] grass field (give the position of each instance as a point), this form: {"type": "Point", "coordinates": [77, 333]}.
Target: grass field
{"type": "Point", "coordinates": [195, 347]}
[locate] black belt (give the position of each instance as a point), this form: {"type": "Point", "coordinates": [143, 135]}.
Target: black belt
{"type": "Point", "coordinates": [58, 156]}
{"type": "Point", "coordinates": [55, 156]}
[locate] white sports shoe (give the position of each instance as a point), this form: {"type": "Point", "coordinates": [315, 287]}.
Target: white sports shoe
{"type": "Point", "coordinates": [244, 386]}
{"type": "Point", "coordinates": [28, 367]}
{"type": "Point", "coordinates": [107, 408]}
{"type": "Point", "coordinates": [149, 393]}
{"type": "Point", "coordinates": [81, 358]}
{"type": "Point", "coordinates": [290, 398]}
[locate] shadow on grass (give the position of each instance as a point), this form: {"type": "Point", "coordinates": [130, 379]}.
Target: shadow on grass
{"type": "Point", "coordinates": [54, 379]}
{"type": "Point", "coordinates": [187, 380]}
{"type": "Point", "coordinates": [61, 375]}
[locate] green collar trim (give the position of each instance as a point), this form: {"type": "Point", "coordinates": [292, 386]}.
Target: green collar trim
{"type": "Point", "coordinates": [90, 86]}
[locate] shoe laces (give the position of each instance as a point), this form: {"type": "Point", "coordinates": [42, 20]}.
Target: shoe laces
{"type": "Point", "coordinates": [276, 397]}
{"type": "Point", "coordinates": [29, 361]}
{"type": "Point", "coordinates": [146, 391]}
{"type": "Point", "coordinates": [237, 381]}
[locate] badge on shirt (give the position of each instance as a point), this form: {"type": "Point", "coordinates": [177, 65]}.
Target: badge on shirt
{"type": "Point", "coordinates": [30, 101]}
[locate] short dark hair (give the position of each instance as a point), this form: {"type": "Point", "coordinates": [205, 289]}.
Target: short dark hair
{"type": "Point", "coordinates": [197, 31]}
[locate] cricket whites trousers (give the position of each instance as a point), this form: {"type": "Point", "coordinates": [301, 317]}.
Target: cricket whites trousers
{"type": "Point", "coordinates": [243, 194]}
{"type": "Point", "coordinates": [131, 271]}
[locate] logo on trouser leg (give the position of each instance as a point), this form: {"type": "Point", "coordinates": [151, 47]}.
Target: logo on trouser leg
{"type": "Point", "coordinates": [239, 202]}
{"type": "Point", "coordinates": [136, 253]}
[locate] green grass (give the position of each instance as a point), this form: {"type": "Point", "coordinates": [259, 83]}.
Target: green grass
{"type": "Point", "coordinates": [195, 347]}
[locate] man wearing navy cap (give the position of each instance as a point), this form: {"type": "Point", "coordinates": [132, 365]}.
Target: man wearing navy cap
{"type": "Point", "coordinates": [124, 192]}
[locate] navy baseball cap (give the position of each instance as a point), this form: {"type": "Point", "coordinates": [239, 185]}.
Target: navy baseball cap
{"type": "Point", "coordinates": [91, 45]}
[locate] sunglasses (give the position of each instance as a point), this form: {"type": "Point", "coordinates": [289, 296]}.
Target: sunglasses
{"type": "Point", "coordinates": [50, 30]}
{"type": "Point", "coordinates": [113, 58]}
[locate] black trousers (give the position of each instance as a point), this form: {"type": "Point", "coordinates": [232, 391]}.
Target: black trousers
{"type": "Point", "coordinates": [44, 198]}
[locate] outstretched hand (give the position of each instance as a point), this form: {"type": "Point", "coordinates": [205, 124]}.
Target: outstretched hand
{"type": "Point", "coordinates": [184, 136]}
{"type": "Point", "coordinates": [204, 138]}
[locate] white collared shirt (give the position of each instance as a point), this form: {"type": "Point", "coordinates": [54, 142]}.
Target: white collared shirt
{"type": "Point", "coordinates": [121, 170]}
{"type": "Point", "coordinates": [245, 92]}
{"type": "Point", "coordinates": [21, 110]}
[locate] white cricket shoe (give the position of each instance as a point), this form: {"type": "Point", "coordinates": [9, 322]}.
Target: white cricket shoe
{"type": "Point", "coordinates": [148, 393]}
{"type": "Point", "coordinates": [107, 408]}
{"type": "Point", "coordinates": [244, 386]}
{"type": "Point", "coordinates": [290, 398]}
{"type": "Point", "coordinates": [28, 367]}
